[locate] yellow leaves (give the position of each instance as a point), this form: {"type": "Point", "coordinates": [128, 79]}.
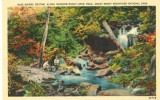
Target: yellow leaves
{"type": "Point", "coordinates": [11, 57]}
{"type": "Point", "coordinates": [72, 10]}
{"type": "Point", "coordinates": [146, 67]}
{"type": "Point", "coordinates": [118, 55]}
{"type": "Point", "coordinates": [70, 67]}
{"type": "Point", "coordinates": [137, 55]}
{"type": "Point", "coordinates": [90, 28]}
{"type": "Point", "coordinates": [113, 67]}
{"type": "Point", "coordinates": [81, 18]}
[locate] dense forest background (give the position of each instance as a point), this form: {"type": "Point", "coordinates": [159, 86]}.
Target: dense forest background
{"type": "Point", "coordinates": [70, 29]}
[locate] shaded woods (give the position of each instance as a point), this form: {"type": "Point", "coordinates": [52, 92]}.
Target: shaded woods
{"type": "Point", "coordinates": [115, 45]}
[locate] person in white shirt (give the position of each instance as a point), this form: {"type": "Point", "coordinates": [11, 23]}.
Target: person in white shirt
{"type": "Point", "coordinates": [56, 61]}
{"type": "Point", "coordinates": [46, 65]}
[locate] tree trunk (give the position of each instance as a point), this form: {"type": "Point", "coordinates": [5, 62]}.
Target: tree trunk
{"type": "Point", "coordinates": [112, 36]}
{"type": "Point", "coordinates": [44, 38]}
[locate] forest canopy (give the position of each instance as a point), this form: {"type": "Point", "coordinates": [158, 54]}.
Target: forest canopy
{"type": "Point", "coordinates": [69, 26]}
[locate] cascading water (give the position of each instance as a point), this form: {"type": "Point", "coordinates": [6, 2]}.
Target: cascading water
{"type": "Point", "coordinates": [86, 76]}
{"type": "Point", "coordinates": [122, 38]}
{"type": "Point", "coordinates": [126, 38]}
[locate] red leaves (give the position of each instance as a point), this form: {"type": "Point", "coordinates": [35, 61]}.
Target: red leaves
{"type": "Point", "coordinates": [148, 38]}
{"type": "Point", "coordinates": [34, 49]}
{"type": "Point", "coordinates": [21, 40]}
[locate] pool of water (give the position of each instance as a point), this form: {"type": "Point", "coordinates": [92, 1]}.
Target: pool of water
{"type": "Point", "coordinates": [90, 77]}
{"type": "Point", "coordinates": [87, 76]}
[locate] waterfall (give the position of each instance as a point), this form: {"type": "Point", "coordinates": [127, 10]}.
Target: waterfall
{"type": "Point", "coordinates": [126, 38]}
{"type": "Point", "coordinates": [122, 38]}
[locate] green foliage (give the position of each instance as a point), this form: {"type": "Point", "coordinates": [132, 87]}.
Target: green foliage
{"type": "Point", "coordinates": [135, 63]}
{"type": "Point", "coordinates": [33, 89]}
{"type": "Point", "coordinates": [69, 26]}
{"type": "Point", "coordinates": [14, 80]}
{"type": "Point", "coordinates": [25, 61]}
{"type": "Point", "coordinates": [83, 91]}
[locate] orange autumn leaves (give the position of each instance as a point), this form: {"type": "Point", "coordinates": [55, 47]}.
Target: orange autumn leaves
{"type": "Point", "coordinates": [148, 38]}
{"type": "Point", "coordinates": [34, 47]}
{"type": "Point", "coordinates": [21, 40]}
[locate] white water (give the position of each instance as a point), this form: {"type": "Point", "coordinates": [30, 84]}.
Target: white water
{"type": "Point", "coordinates": [126, 38]}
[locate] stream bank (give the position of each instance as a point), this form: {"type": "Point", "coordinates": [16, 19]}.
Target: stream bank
{"type": "Point", "coordinates": [91, 78]}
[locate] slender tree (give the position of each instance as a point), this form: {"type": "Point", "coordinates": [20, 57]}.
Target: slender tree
{"type": "Point", "coordinates": [44, 38]}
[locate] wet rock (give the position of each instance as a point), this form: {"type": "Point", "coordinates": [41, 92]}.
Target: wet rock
{"type": "Point", "coordinates": [90, 68]}
{"type": "Point", "coordinates": [93, 89]}
{"type": "Point", "coordinates": [105, 65]}
{"type": "Point", "coordinates": [99, 60]}
{"type": "Point", "coordinates": [114, 92]}
{"type": "Point", "coordinates": [76, 71]}
{"type": "Point", "coordinates": [104, 72]}
{"type": "Point", "coordinates": [76, 63]}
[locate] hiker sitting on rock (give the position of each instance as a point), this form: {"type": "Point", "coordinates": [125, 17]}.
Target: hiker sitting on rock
{"type": "Point", "coordinates": [46, 65]}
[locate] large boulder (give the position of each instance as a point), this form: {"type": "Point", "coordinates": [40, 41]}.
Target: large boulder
{"type": "Point", "coordinates": [76, 63]}
{"type": "Point", "coordinates": [114, 92]}
{"type": "Point", "coordinates": [104, 72]}
{"type": "Point", "coordinates": [76, 71]}
{"type": "Point", "coordinates": [93, 90]}
{"type": "Point", "coordinates": [99, 60]}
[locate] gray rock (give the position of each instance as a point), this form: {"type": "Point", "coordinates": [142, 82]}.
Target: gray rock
{"type": "Point", "coordinates": [91, 68]}
{"type": "Point", "coordinates": [114, 92]}
{"type": "Point", "coordinates": [112, 52]}
{"type": "Point", "coordinates": [99, 60]}
{"type": "Point", "coordinates": [104, 72]}
{"type": "Point", "coordinates": [105, 65]}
